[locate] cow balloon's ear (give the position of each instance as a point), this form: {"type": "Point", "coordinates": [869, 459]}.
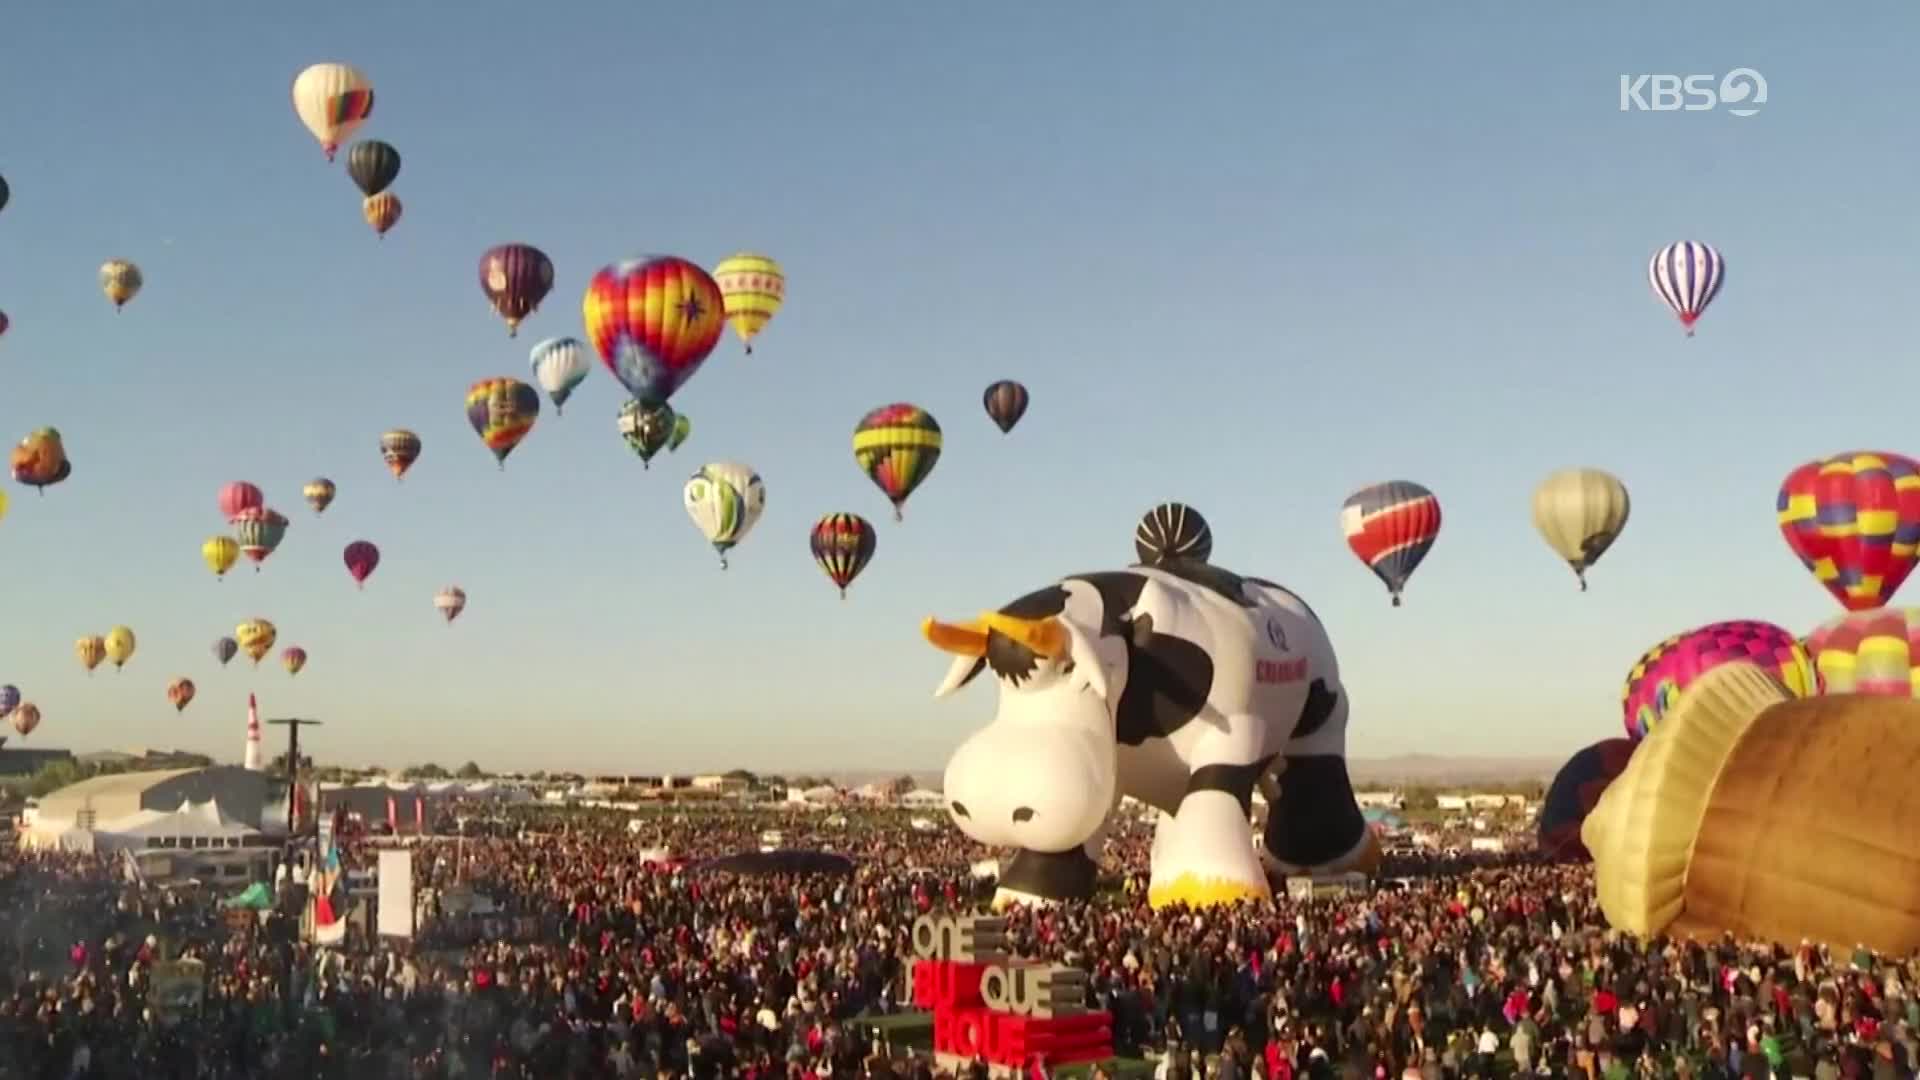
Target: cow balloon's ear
{"type": "Point", "coordinates": [1142, 630]}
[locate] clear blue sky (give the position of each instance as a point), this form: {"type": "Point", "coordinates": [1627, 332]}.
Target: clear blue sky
{"type": "Point", "coordinates": [1250, 256]}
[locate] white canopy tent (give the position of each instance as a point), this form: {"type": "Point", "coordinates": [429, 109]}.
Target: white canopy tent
{"type": "Point", "coordinates": [192, 825]}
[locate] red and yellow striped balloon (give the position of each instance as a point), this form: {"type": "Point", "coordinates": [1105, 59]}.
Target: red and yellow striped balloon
{"type": "Point", "coordinates": [653, 322]}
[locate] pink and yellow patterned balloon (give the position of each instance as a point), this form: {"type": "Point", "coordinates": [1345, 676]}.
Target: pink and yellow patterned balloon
{"type": "Point", "coordinates": [1662, 672]}
{"type": "Point", "coordinates": [1868, 652]}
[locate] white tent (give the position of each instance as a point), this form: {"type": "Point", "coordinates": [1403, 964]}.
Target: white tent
{"type": "Point", "coordinates": [192, 825]}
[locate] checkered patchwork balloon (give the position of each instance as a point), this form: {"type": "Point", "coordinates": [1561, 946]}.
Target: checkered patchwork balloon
{"type": "Point", "coordinates": [1664, 671]}
{"type": "Point", "coordinates": [1868, 652]}
{"type": "Point", "coordinates": [1853, 520]}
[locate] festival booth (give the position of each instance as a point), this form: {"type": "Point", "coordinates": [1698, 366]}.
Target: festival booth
{"type": "Point", "coordinates": [191, 826]}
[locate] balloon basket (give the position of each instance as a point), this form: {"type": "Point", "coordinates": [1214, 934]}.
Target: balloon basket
{"type": "Point", "coordinates": [1396, 599]}
{"type": "Point", "coordinates": [898, 515]}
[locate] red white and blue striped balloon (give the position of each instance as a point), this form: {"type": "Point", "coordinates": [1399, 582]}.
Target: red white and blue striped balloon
{"type": "Point", "coordinates": [1686, 277]}
{"type": "Point", "coordinates": [1391, 527]}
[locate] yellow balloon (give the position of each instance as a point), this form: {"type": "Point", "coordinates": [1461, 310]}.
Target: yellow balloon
{"type": "Point", "coordinates": [255, 637]}
{"type": "Point", "coordinates": [3, 504]}
{"type": "Point", "coordinates": [220, 552]}
{"type": "Point", "coordinates": [91, 650]}
{"type": "Point", "coordinates": [752, 288]}
{"type": "Point", "coordinates": [120, 280]}
{"type": "Point", "coordinates": [1580, 513]}
{"type": "Point", "coordinates": [119, 643]}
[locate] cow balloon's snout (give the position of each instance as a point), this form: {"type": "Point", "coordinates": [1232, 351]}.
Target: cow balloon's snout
{"type": "Point", "coordinates": [1045, 789]}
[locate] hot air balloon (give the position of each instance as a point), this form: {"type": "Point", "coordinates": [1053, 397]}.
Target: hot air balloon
{"type": "Point", "coordinates": [1580, 513]}
{"type": "Point", "coordinates": [259, 532]}
{"type": "Point", "coordinates": [646, 428]}
{"type": "Point", "coordinates": [26, 718]}
{"type": "Point", "coordinates": [220, 553]}
{"type": "Point", "coordinates": [41, 459]}
{"type": "Point", "coordinates": [180, 692]}
{"type": "Point", "coordinates": [515, 277]}
{"type": "Point", "coordinates": [843, 546]}
{"type": "Point", "coordinates": [9, 699]}
{"type": "Point", "coordinates": [224, 649]}
{"type": "Point", "coordinates": [3, 505]}
{"type": "Point", "coordinates": [238, 497]}
{"type": "Point", "coordinates": [1868, 652]}
{"type": "Point", "coordinates": [502, 412]}
{"type": "Point", "coordinates": [333, 100]}
{"type": "Point", "coordinates": [319, 494]}
{"type": "Point", "coordinates": [653, 322]}
{"type": "Point", "coordinates": [293, 658]}
{"type": "Point", "coordinates": [4, 193]}
{"type": "Point", "coordinates": [382, 211]}
{"type": "Point", "coordinates": [559, 365]}
{"type": "Point", "coordinates": [1853, 520]}
{"type": "Point", "coordinates": [1172, 531]}
{"type": "Point", "coordinates": [725, 499]}
{"type": "Point", "coordinates": [751, 290]}
{"type": "Point", "coordinates": [400, 448]}
{"type": "Point", "coordinates": [1663, 672]}
{"type": "Point", "coordinates": [1391, 527]}
{"type": "Point", "coordinates": [361, 558]}
{"type": "Point", "coordinates": [90, 650]}
{"type": "Point", "coordinates": [682, 427]}
{"type": "Point", "coordinates": [121, 281]}
{"type": "Point", "coordinates": [1006, 403]}
{"type": "Point", "coordinates": [450, 602]}
{"type": "Point", "coordinates": [1686, 277]}
{"type": "Point", "coordinates": [1576, 788]}
{"type": "Point", "coordinates": [119, 643]}
{"type": "Point", "coordinates": [4, 324]}
{"type": "Point", "coordinates": [255, 637]}
{"type": "Point", "coordinates": [897, 446]}
{"type": "Point", "coordinates": [372, 166]}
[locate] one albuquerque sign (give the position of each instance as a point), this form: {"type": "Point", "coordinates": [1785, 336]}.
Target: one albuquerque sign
{"type": "Point", "coordinates": [987, 1005]}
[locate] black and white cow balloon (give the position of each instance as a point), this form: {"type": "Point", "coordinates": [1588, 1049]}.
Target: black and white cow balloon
{"type": "Point", "coordinates": [1180, 684]}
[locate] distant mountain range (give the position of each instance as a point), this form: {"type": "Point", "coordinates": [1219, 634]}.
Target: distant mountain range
{"type": "Point", "coordinates": [1425, 770]}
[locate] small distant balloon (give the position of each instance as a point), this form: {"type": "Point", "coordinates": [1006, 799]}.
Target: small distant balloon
{"type": "Point", "coordinates": [1390, 527]}
{"type": "Point", "coordinates": [120, 645]}
{"type": "Point", "coordinates": [842, 545]}
{"type": "Point", "coordinates": [362, 558]}
{"type": "Point", "coordinates": [26, 718]}
{"type": "Point", "coordinates": [293, 658]}
{"type": "Point", "coordinates": [382, 211]}
{"type": "Point", "coordinates": [897, 446]}
{"type": "Point", "coordinates": [319, 494]}
{"type": "Point", "coordinates": [450, 602]}
{"type": "Point", "coordinates": [1686, 277]}
{"type": "Point", "coordinates": [259, 531]}
{"type": "Point", "coordinates": [220, 553]}
{"type": "Point", "coordinates": [4, 324]}
{"type": "Point", "coordinates": [373, 166]}
{"type": "Point", "coordinates": [90, 650]}
{"type": "Point", "coordinates": [332, 100]}
{"type": "Point", "coordinates": [400, 448]}
{"type": "Point", "coordinates": [559, 366]}
{"type": "Point", "coordinates": [225, 649]}
{"type": "Point", "coordinates": [502, 412]}
{"type": "Point", "coordinates": [238, 497]}
{"type": "Point", "coordinates": [1172, 531]}
{"type": "Point", "coordinates": [255, 637]}
{"type": "Point", "coordinates": [752, 288]}
{"type": "Point", "coordinates": [647, 428]}
{"type": "Point", "coordinates": [41, 460]}
{"type": "Point", "coordinates": [725, 500]}
{"type": "Point", "coordinates": [9, 699]}
{"type": "Point", "coordinates": [1006, 403]}
{"type": "Point", "coordinates": [1580, 513]}
{"type": "Point", "coordinates": [180, 692]}
{"type": "Point", "coordinates": [121, 281]}
{"type": "Point", "coordinates": [515, 278]}
{"type": "Point", "coordinates": [5, 192]}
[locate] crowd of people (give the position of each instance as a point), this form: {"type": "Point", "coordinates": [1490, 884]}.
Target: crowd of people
{"type": "Point", "coordinates": [599, 957]}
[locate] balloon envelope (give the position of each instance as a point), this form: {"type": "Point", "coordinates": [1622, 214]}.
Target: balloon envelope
{"type": "Point", "coordinates": [1853, 520]}
{"type": "Point", "coordinates": [1868, 652]}
{"type": "Point", "coordinates": [1576, 788]}
{"type": "Point", "coordinates": [1656, 680]}
{"type": "Point", "coordinates": [373, 166]}
{"type": "Point", "coordinates": [1006, 402]}
{"type": "Point", "coordinates": [1580, 513]}
{"type": "Point", "coordinates": [1390, 527]}
{"type": "Point", "coordinates": [361, 558]}
{"type": "Point", "coordinates": [752, 288]}
{"type": "Point", "coordinates": [502, 412]}
{"type": "Point", "coordinates": [1686, 277]}
{"type": "Point", "coordinates": [1172, 531]}
{"type": "Point", "coordinates": [842, 546]}
{"type": "Point", "coordinates": [725, 500]}
{"type": "Point", "coordinates": [515, 278]}
{"type": "Point", "coordinates": [897, 446]}
{"type": "Point", "coordinates": [653, 322]}
{"type": "Point", "coordinates": [332, 100]}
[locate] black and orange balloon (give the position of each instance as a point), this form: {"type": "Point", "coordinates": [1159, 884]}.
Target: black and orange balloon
{"type": "Point", "coordinates": [843, 546]}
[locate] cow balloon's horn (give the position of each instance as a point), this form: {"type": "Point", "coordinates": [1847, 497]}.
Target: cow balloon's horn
{"type": "Point", "coordinates": [965, 639]}
{"type": "Point", "coordinates": [1046, 637]}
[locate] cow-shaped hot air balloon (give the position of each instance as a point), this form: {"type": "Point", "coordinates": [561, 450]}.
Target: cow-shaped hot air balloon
{"type": "Point", "coordinates": [1182, 685]}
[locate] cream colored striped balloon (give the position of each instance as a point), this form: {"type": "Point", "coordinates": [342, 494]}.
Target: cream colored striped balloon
{"type": "Point", "coordinates": [332, 100]}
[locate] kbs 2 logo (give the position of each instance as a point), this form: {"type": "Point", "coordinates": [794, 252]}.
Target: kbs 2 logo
{"type": "Point", "coordinates": [1741, 92]}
